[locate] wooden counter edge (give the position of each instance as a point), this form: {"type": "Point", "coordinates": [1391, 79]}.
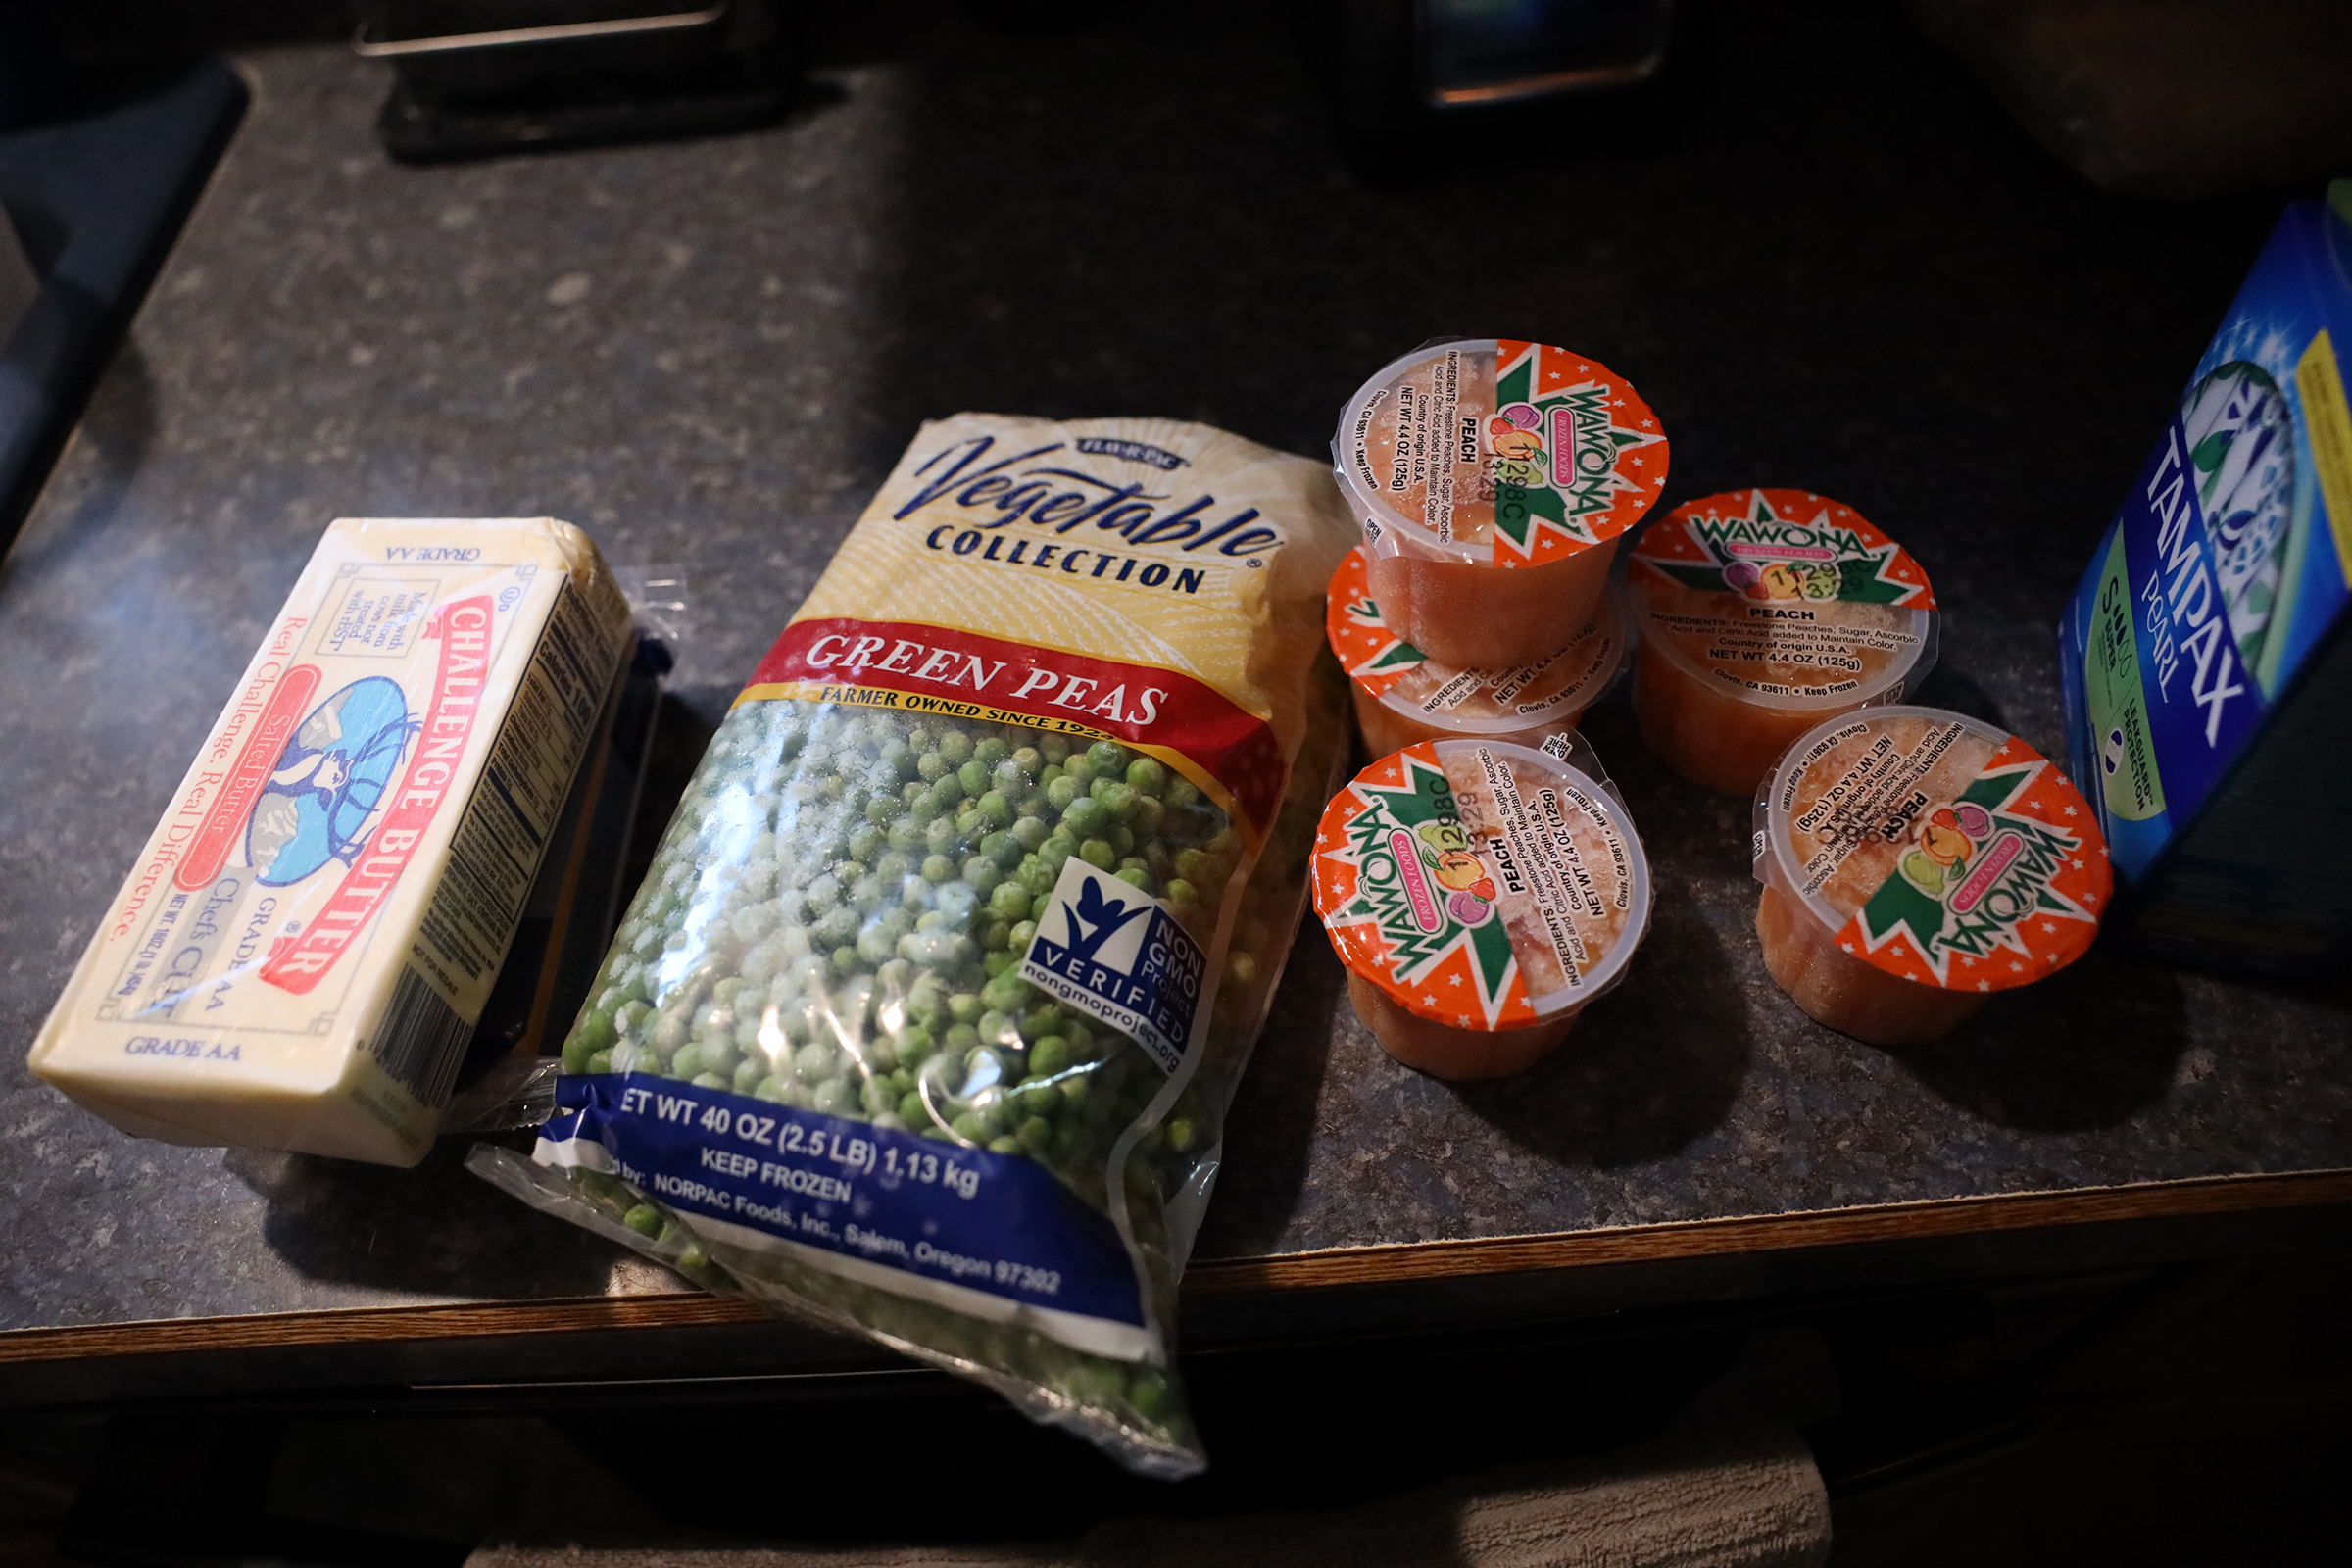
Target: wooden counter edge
{"type": "Point", "coordinates": [1392, 1264]}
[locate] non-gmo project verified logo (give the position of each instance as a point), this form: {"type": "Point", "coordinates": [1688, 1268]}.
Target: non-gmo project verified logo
{"type": "Point", "coordinates": [1112, 950]}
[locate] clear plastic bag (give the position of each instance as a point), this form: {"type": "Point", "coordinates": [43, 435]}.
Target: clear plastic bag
{"type": "Point", "coordinates": [926, 1018]}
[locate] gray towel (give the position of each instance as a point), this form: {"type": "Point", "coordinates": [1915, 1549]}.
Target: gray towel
{"type": "Point", "coordinates": [1747, 1501]}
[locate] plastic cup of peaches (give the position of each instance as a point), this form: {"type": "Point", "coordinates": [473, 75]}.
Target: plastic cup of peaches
{"type": "Point", "coordinates": [1493, 478]}
{"type": "Point", "coordinates": [1481, 895]}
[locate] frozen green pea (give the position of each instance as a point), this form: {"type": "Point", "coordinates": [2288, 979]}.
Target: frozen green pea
{"type": "Point", "coordinates": [974, 779]}
{"type": "Point", "coordinates": [600, 1062]}
{"type": "Point", "coordinates": [964, 1006]}
{"type": "Point", "coordinates": [907, 835]}
{"type": "Point", "coordinates": [971, 1128]}
{"type": "Point", "coordinates": [1037, 911]}
{"type": "Point", "coordinates": [1180, 892]}
{"type": "Point", "coordinates": [1005, 1145]}
{"type": "Point", "coordinates": [990, 750]}
{"type": "Point", "coordinates": [1135, 875]}
{"type": "Point", "coordinates": [687, 1062]}
{"type": "Point", "coordinates": [748, 1073]}
{"type": "Point", "coordinates": [1147, 814]}
{"type": "Point", "coordinates": [1085, 816]}
{"type": "Point", "coordinates": [1049, 1055]}
{"type": "Point", "coordinates": [1106, 757]}
{"type": "Point", "coordinates": [954, 745]}
{"type": "Point", "coordinates": [1099, 854]}
{"type": "Point", "coordinates": [834, 1096]}
{"type": "Point", "coordinates": [1010, 900]}
{"type": "Point", "coordinates": [645, 1219]}
{"type": "Point", "coordinates": [1146, 774]}
{"type": "Point", "coordinates": [938, 868]}
{"type": "Point", "coordinates": [1054, 747]}
{"type": "Point", "coordinates": [1062, 793]}
{"type": "Point", "coordinates": [1122, 839]}
{"type": "Point", "coordinates": [982, 873]}
{"type": "Point", "coordinates": [955, 899]}
{"type": "Point", "coordinates": [930, 768]}
{"type": "Point", "coordinates": [1241, 970]}
{"type": "Point", "coordinates": [1030, 832]}
{"type": "Point", "coordinates": [912, 1109]}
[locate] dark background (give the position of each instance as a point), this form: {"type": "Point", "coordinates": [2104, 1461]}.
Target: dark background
{"type": "Point", "coordinates": [1828, 256]}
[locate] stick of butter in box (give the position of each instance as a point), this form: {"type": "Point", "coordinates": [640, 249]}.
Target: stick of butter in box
{"type": "Point", "coordinates": [298, 958]}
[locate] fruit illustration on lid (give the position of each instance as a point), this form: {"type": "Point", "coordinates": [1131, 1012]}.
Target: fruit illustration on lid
{"type": "Point", "coordinates": [1479, 896]}
{"type": "Point", "coordinates": [1890, 916]}
{"type": "Point", "coordinates": [1759, 613]}
{"type": "Point", "coordinates": [1493, 478]}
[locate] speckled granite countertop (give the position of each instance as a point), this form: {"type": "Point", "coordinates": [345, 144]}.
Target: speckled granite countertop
{"type": "Point", "coordinates": [1824, 257]}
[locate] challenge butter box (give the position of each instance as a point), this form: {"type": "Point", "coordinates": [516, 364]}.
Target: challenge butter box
{"type": "Point", "coordinates": [2207, 662]}
{"type": "Point", "coordinates": [299, 955]}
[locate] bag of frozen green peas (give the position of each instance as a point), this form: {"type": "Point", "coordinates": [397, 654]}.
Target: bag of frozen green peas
{"type": "Point", "coordinates": [926, 1019]}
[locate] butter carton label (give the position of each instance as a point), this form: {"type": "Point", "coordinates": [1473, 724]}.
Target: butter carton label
{"type": "Point", "coordinates": [345, 862]}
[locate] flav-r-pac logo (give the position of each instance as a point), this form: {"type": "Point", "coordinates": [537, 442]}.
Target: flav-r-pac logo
{"type": "Point", "coordinates": [1113, 951]}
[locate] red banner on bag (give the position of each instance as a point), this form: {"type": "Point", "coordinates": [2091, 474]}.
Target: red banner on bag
{"type": "Point", "coordinates": [464, 629]}
{"type": "Point", "coordinates": [951, 673]}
